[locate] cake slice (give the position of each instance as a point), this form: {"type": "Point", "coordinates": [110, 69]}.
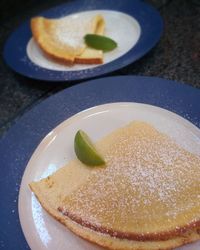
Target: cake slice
{"type": "Point", "coordinates": [147, 196]}
{"type": "Point", "coordinates": [62, 39]}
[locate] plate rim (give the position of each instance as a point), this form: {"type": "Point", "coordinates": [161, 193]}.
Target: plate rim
{"type": "Point", "coordinates": [136, 52]}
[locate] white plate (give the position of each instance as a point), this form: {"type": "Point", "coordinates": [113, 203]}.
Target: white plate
{"type": "Point", "coordinates": [125, 41]}
{"type": "Point", "coordinates": [56, 149]}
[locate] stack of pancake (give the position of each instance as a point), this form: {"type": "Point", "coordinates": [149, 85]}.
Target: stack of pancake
{"type": "Point", "coordinates": [147, 197]}
{"type": "Point", "coordinates": [62, 39]}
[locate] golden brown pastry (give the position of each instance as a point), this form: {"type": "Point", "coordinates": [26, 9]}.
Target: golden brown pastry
{"type": "Point", "coordinates": [146, 198]}
{"type": "Point", "coordinates": [62, 39]}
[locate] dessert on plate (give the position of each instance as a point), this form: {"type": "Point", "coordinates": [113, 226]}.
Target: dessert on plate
{"type": "Point", "coordinates": [146, 196]}
{"type": "Point", "coordinates": [62, 39]}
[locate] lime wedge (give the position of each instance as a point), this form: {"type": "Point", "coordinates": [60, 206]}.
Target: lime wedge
{"type": "Point", "coordinates": [86, 151]}
{"type": "Point", "coordinates": [100, 42]}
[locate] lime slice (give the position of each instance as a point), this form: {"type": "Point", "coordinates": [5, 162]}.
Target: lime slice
{"type": "Point", "coordinates": [100, 42]}
{"type": "Point", "coordinates": [86, 151]}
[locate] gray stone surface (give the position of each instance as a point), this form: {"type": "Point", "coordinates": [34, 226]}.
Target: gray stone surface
{"type": "Point", "coordinates": [175, 57]}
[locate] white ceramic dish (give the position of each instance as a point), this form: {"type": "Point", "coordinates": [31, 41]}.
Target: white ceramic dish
{"type": "Point", "coordinates": [56, 149]}
{"type": "Point", "coordinates": [113, 19]}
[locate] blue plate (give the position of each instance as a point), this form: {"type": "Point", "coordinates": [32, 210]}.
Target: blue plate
{"type": "Point", "coordinates": [17, 146]}
{"type": "Point", "coordinates": [148, 18]}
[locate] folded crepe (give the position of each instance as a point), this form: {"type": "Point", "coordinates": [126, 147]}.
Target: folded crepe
{"type": "Point", "coordinates": [147, 197]}
{"type": "Point", "coordinates": [62, 39]}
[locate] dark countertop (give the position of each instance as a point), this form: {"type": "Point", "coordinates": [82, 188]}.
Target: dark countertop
{"type": "Point", "coordinates": [175, 57]}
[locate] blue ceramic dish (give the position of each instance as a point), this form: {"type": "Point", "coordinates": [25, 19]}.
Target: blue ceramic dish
{"type": "Point", "coordinates": [150, 22]}
{"type": "Point", "coordinates": [17, 146]}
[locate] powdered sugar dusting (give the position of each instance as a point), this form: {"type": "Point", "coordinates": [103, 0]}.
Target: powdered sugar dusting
{"type": "Point", "coordinates": [148, 181]}
{"type": "Point", "coordinates": [71, 30]}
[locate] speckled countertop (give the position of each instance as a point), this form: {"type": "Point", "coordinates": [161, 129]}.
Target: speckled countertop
{"type": "Point", "coordinates": [176, 56]}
